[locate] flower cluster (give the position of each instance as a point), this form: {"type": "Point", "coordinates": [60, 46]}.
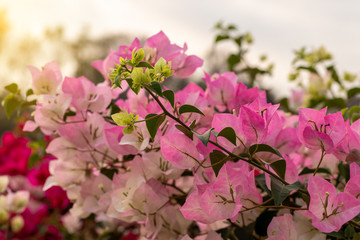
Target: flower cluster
{"type": "Point", "coordinates": [23, 205]}
{"type": "Point", "coordinates": [193, 164]}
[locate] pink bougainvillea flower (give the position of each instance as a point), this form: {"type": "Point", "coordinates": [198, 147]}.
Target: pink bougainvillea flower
{"type": "Point", "coordinates": [329, 210]}
{"type": "Point", "coordinates": [179, 150]}
{"type": "Point", "coordinates": [49, 115]}
{"type": "Point", "coordinates": [220, 88]}
{"type": "Point", "coordinates": [87, 96]}
{"type": "Point", "coordinates": [244, 96]}
{"type": "Point", "coordinates": [222, 199]}
{"type": "Point", "coordinates": [47, 80]}
{"type": "Point", "coordinates": [317, 131]}
{"type": "Point", "coordinates": [255, 121]}
{"type": "Point", "coordinates": [282, 228]}
{"type": "Point", "coordinates": [299, 227]}
{"type": "Point", "coordinates": [105, 66]}
{"type": "Point", "coordinates": [155, 47]}
{"type": "Point", "coordinates": [159, 45]}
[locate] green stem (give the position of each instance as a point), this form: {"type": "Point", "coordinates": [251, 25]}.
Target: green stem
{"type": "Point", "coordinates": [144, 120]}
{"type": "Point", "coordinates": [322, 157]}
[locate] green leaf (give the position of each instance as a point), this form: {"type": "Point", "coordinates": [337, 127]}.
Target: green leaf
{"type": "Point", "coordinates": [13, 88]}
{"type": "Point", "coordinates": [337, 235]}
{"type": "Point", "coordinates": [355, 117]}
{"type": "Point", "coordinates": [145, 64]}
{"type": "Point", "coordinates": [217, 159]}
{"type": "Point", "coordinates": [281, 191]}
{"type": "Point", "coordinates": [353, 110]}
{"type": "Point", "coordinates": [29, 92]}
{"type": "Point", "coordinates": [11, 103]}
{"type": "Point", "coordinates": [335, 103]}
{"type": "Point", "coordinates": [279, 167]}
{"type": "Point", "coordinates": [352, 92]}
{"type": "Point", "coordinates": [193, 124]}
{"type": "Point", "coordinates": [28, 104]}
{"type": "Point", "coordinates": [229, 134]}
{"type": "Point", "coordinates": [344, 171]}
{"type": "Point", "coordinates": [231, 27]}
{"type": "Point", "coordinates": [136, 88]}
{"type": "Point", "coordinates": [334, 74]}
{"type": "Point", "coordinates": [262, 182]}
{"type": "Point", "coordinates": [307, 170]}
{"type": "Point", "coordinates": [169, 95]}
{"type": "Point", "coordinates": [204, 138]}
{"type": "Point", "coordinates": [221, 37]}
{"type": "Point", "coordinates": [349, 232]}
{"type": "Point", "coordinates": [109, 172]}
{"type": "Point", "coordinates": [263, 148]}
{"type": "Point", "coordinates": [189, 108]}
{"type": "Point", "coordinates": [33, 160]}
{"type": "Point", "coordinates": [117, 81]}
{"type": "Point", "coordinates": [238, 40]}
{"type": "Point", "coordinates": [185, 131]}
{"type": "Point", "coordinates": [310, 69]}
{"type": "Point", "coordinates": [156, 87]}
{"type": "Point", "coordinates": [232, 60]}
{"type": "Point", "coordinates": [154, 123]}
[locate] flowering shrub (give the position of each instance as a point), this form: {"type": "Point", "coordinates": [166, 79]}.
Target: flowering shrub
{"type": "Point", "coordinates": [192, 164]}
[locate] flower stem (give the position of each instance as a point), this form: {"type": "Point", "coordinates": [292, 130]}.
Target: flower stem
{"type": "Point", "coordinates": [322, 157]}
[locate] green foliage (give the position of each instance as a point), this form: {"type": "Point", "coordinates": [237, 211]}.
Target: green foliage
{"type": "Point", "coordinates": [263, 148]}
{"type": "Point", "coordinates": [153, 122]}
{"type": "Point", "coordinates": [184, 130]}
{"type": "Point", "coordinates": [229, 134]}
{"type": "Point", "coordinates": [217, 159]}
{"type": "Point", "coordinates": [236, 61]}
{"type": "Point", "coordinates": [189, 109]}
{"type": "Point", "coordinates": [315, 72]}
{"type": "Point", "coordinates": [14, 101]}
{"type": "Point", "coordinates": [204, 138]}
{"type": "Point", "coordinates": [307, 170]}
{"type": "Point", "coordinates": [281, 191]}
{"type": "Point", "coordinates": [170, 96]}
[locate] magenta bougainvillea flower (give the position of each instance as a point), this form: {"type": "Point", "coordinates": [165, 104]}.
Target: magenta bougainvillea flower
{"type": "Point", "coordinates": [14, 155]}
{"type": "Point", "coordinates": [316, 130]}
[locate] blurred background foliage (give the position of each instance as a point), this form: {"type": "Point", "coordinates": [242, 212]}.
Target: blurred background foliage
{"type": "Point", "coordinates": [313, 71]}
{"type": "Point", "coordinates": [73, 56]}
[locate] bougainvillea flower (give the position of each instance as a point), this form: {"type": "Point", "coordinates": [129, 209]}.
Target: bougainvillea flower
{"type": "Point", "coordinates": [47, 80]}
{"type": "Point", "coordinates": [317, 131]}
{"type": "Point", "coordinates": [85, 95]}
{"type": "Point", "coordinates": [330, 210]}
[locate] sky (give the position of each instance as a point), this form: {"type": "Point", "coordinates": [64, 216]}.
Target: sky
{"type": "Point", "coordinates": [278, 26]}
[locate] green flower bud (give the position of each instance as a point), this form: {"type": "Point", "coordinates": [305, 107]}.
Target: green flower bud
{"type": "Point", "coordinates": [128, 130]}
{"type": "Point", "coordinates": [17, 223]}
{"type": "Point", "coordinates": [248, 38]}
{"type": "Point", "coordinates": [138, 76]}
{"type": "Point", "coordinates": [263, 57]}
{"type": "Point", "coordinates": [163, 68]}
{"type": "Point", "coordinates": [123, 61]}
{"type": "Point", "coordinates": [137, 56]}
{"type": "Point", "coordinates": [349, 77]}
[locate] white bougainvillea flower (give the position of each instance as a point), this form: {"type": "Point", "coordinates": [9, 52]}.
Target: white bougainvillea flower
{"type": "Point", "coordinates": [47, 80]}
